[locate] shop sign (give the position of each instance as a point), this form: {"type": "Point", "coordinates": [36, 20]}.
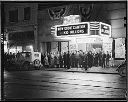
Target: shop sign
{"type": "Point", "coordinates": [105, 29]}
{"type": "Point", "coordinates": [72, 29]}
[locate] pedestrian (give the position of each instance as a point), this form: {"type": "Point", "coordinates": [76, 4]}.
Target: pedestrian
{"type": "Point", "coordinates": [99, 58]}
{"type": "Point", "coordinates": [85, 60]}
{"type": "Point", "coordinates": [42, 58]}
{"type": "Point", "coordinates": [80, 59]}
{"type": "Point", "coordinates": [61, 60]}
{"type": "Point", "coordinates": [107, 58]}
{"type": "Point", "coordinates": [49, 59]}
{"type": "Point", "coordinates": [71, 59]}
{"type": "Point", "coordinates": [96, 59]}
{"type": "Point", "coordinates": [77, 59]}
{"type": "Point", "coordinates": [57, 60]}
{"type": "Point", "coordinates": [65, 59]}
{"type": "Point", "coordinates": [111, 61]}
{"type": "Point", "coordinates": [51, 65]}
{"type": "Point", "coordinates": [103, 60]}
{"type": "Point", "coordinates": [68, 60]}
{"type": "Point", "coordinates": [90, 59]}
{"type": "Point", "coordinates": [46, 64]}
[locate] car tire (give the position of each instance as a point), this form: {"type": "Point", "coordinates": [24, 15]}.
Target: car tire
{"type": "Point", "coordinates": [36, 63]}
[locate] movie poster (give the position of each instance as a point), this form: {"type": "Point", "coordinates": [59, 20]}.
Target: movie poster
{"type": "Point", "coordinates": [120, 48]}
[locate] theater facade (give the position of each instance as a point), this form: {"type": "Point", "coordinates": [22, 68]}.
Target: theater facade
{"type": "Point", "coordinates": [85, 36]}
{"type": "Point", "coordinates": [73, 32]}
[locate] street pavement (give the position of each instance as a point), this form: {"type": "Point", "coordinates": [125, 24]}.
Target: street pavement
{"type": "Point", "coordinates": [43, 84]}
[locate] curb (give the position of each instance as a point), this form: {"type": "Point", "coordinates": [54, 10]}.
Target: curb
{"type": "Point", "coordinates": [80, 71]}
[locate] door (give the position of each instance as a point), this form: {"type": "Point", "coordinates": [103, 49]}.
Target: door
{"type": "Point", "coordinates": [64, 46]}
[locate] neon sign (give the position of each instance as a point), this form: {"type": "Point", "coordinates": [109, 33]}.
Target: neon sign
{"type": "Point", "coordinates": [105, 29]}
{"type": "Point", "coordinates": [72, 29]}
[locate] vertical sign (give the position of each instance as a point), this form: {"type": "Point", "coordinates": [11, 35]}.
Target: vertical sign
{"type": "Point", "coordinates": [105, 29]}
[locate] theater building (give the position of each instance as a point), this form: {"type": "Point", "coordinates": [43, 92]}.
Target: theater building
{"type": "Point", "coordinates": [85, 36]}
{"type": "Point", "coordinates": [82, 26]}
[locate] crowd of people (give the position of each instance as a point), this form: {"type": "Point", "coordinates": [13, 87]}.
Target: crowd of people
{"type": "Point", "coordinates": [76, 59]}
{"type": "Point", "coordinates": [71, 59]}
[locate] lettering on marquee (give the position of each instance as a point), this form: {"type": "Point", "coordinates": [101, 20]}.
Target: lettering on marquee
{"type": "Point", "coordinates": [72, 29]}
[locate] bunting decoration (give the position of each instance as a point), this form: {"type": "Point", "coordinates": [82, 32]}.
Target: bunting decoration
{"type": "Point", "coordinates": [56, 13]}
{"type": "Point", "coordinates": [86, 11]}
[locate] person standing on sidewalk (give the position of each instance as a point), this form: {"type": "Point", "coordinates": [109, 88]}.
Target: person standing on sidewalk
{"type": "Point", "coordinates": [96, 59]}
{"type": "Point", "coordinates": [42, 58]}
{"type": "Point", "coordinates": [85, 61]}
{"type": "Point", "coordinates": [65, 59]}
{"type": "Point", "coordinates": [107, 59]}
{"type": "Point", "coordinates": [52, 60]}
{"type": "Point", "coordinates": [100, 58]}
{"type": "Point", "coordinates": [77, 59]}
{"type": "Point", "coordinates": [46, 61]}
{"type": "Point", "coordinates": [73, 60]}
{"type": "Point", "coordinates": [61, 60]}
{"type": "Point", "coordinates": [57, 60]}
{"type": "Point", "coordinates": [68, 60]}
{"type": "Point", "coordinates": [49, 59]}
{"type": "Point", "coordinates": [80, 59]}
{"type": "Point", "coordinates": [103, 60]}
{"type": "Point", "coordinates": [90, 59]}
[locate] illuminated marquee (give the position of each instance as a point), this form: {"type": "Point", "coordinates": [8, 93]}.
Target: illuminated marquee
{"type": "Point", "coordinates": [105, 29]}
{"type": "Point", "coordinates": [72, 29]}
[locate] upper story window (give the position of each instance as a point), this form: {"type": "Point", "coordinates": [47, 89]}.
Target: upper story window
{"type": "Point", "coordinates": [27, 13]}
{"type": "Point", "coordinates": [13, 15]}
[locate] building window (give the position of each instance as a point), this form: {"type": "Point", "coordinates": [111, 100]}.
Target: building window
{"type": "Point", "coordinates": [27, 13]}
{"type": "Point", "coordinates": [13, 16]}
{"type": "Point", "coordinates": [22, 36]}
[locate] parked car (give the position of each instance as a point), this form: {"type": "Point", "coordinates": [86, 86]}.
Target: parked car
{"type": "Point", "coordinates": [28, 60]}
{"type": "Point", "coordinates": [122, 69]}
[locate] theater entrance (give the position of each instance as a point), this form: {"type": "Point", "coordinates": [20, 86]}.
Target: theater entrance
{"type": "Point", "coordinates": [94, 47]}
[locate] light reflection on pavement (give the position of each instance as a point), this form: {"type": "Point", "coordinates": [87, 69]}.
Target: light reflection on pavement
{"type": "Point", "coordinates": [54, 84]}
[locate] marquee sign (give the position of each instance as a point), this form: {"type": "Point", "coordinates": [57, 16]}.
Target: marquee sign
{"type": "Point", "coordinates": [72, 29]}
{"type": "Point", "coordinates": [105, 29]}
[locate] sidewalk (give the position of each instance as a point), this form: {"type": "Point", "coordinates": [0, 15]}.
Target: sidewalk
{"type": "Point", "coordinates": [110, 70]}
